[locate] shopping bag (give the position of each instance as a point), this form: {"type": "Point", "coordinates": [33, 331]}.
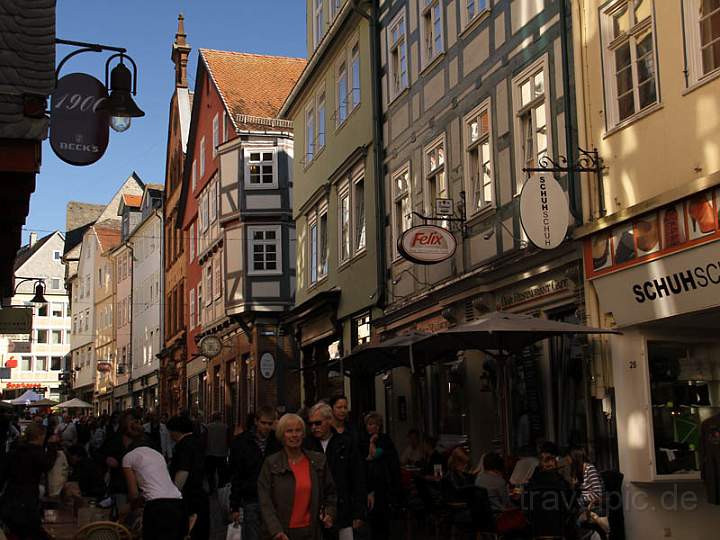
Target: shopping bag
{"type": "Point", "coordinates": [223, 497]}
{"type": "Point", "coordinates": [234, 532]}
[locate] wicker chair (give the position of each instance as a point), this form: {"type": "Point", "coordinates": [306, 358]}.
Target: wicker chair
{"type": "Point", "coordinates": [103, 530]}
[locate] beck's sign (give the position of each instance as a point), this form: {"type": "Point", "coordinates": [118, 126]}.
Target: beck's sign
{"type": "Point", "coordinates": [427, 244]}
{"type": "Point", "coordinates": [78, 130]}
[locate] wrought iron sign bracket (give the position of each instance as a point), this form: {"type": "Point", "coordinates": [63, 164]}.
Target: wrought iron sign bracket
{"type": "Point", "coordinates": [588, 161]}
{"type": "Point", "coordinates": [83, 48]}
{"type": "Point", "coordinates": [458, 217]}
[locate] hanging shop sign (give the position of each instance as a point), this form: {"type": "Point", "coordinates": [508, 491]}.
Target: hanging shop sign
{"type": "Point", "coordinates": [267, 365]}
{"type": "Point", "coordinates": [11, 362]}
{"type": "Point", "coordinates": [104, 367]}
{"type": "Point", "coordinates": [444, 207]}
{"type": "Point", "coordinates": [16, 320]}
{"type": "Point", "coordinates": [544, 211]}
{"type": "Point", "coordinates": [79, 132]}
{"type": "Point", "coordinates": [210, 346]}
{"type": "Point", "coordinates": [19, 346]}
{"type": "Point", "coordinates": [427, 244]}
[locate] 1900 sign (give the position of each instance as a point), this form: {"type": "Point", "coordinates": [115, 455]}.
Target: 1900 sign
{"type": "Point", "coordinates": [78, 130]}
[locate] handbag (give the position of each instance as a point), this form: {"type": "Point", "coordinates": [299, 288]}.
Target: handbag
{"type": "Point", "coordinates": [511, 520]}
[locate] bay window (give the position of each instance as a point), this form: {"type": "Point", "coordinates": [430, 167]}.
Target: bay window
{"type": "Point", "coordinates": [264, 250]}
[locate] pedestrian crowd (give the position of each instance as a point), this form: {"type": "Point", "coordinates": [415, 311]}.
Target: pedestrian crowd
{"type": "Point", "coordinates": [307, 476]}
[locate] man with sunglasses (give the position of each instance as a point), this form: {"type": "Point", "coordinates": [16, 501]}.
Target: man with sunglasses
{"type": "Point", "coordinates": [347, 469]}
{"type": "Point", "coordinates": [247, 454]}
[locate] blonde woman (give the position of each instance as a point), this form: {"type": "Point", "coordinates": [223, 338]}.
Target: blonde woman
{"type": "Point", "coordinates": [295, 488]}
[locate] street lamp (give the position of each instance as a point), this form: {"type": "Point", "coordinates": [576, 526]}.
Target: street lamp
{"type": "Point", "coordinates": [123, 85]}
{"type": "Point", "coordinates": [39, 297]}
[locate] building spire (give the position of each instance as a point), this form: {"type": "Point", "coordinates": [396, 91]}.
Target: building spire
{"type": "Point", "coordinates": [180, 52]}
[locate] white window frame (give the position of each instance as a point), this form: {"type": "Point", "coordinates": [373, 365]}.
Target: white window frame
{"type": "Point", "coordinates": [313, 242]}
{"type": "Point", "coordinates": [310, 132]}
{"type": "Point", "coordinates": [318, 22]}
{"type": "Point", "coordinates": [192, 241]}
{"type": "Point", "coordinates": [278, 250]}
{"type": "Point", "coordinates": [354, 73]}
{"type": "Point", "coordinates": [204, 211]}
{"type": "Point", "coordinates": [212, 202]}
{"type": "Point", "coordinates": [202, 157]}
{"type": "Point", "coordinates": [432, 173]}
{"type": "Point", "coordinates": [191, 307]}
{"type": "Point", "coordinates": [693, 44]}
{"type": "Point", "coordinates": [397, 48]}
{"type": "Point", "coordinates": [260, 150]}
{"type": "Point", "coordinates": [314, 218]}
{"type": "Point", "coordinates": [320, 120]}
{"type": "Point", "coordinates": [198, 304]}
{"type": "Point", "coordinates": [193, 175]}
{"type": "Point", "coordinates": [209, 291]}
{"type": "Point", "coordinates": [344, 192]}
{"type": "Point", "coordinates": [341, 98]}
{"type": "Point", "coordinates": [478, 7]}
{"type": "Point", "coordinates": [398, 225]}
{"type": "Point", "coordinates": [358, 246]}
{"type": "Point", "coordinates": [609, 45]}
{"type": "Point", "coordinates": [215, 134]}
{"type": "Point", "coordinates": [518, 111]}
{"type": "Point", "coordinates": [472, 146]}
{"type": "Point", "coordinates": [428, 52]}
{"type": "Point", "coordinates": [218, 278]}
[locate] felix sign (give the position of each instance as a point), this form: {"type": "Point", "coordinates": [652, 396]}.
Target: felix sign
{"type": "Point", "coordinates": [78, 130]}
{"type": "Point", "coordinates": [427, 244]}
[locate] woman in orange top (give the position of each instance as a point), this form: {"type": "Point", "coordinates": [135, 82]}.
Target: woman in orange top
{"type": "Point", "coordinates": [295, 487]}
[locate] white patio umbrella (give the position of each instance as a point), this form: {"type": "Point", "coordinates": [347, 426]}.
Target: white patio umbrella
{"type": "Point", "coordinates": [74, 403]}
{"type": "Point", "coordinates": [28, 397]}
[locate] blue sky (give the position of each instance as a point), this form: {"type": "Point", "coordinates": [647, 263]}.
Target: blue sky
{"type": "Point", "coordinates": [146, 29]}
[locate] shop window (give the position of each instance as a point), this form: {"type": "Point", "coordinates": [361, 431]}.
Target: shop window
{"type": "Point", "coordinates": [684, 387]}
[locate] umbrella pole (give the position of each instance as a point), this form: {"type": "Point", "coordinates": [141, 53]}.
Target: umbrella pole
{"type": "Point", "coordinates": [504, 403]}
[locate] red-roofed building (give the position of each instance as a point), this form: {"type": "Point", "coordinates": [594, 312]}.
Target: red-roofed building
{"type": "Point", "coordinates": [236, 216]}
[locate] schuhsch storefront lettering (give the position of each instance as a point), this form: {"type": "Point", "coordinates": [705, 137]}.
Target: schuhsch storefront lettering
{"type": "Point", "coordinates": [692, 279]}
{"type": "Point", "coordinates": [683, 282]}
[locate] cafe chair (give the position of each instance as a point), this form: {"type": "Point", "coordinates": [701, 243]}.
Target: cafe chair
{"type": "Point", "coordinates": [103, 530]}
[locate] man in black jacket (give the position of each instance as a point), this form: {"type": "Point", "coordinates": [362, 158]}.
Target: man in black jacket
{"type": "Point", "coordinates": [247, 454]}
{"type": "Point", "coordinates": [347, 470]}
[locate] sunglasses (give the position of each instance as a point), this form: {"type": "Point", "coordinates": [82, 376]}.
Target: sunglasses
{"type": "Point", "coordinates": [315, 423]}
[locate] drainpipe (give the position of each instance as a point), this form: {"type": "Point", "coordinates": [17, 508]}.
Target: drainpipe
{"type": "Point", "coordinates": [567, 105]}
{"type": "Point", "coordinates": [373, 20]}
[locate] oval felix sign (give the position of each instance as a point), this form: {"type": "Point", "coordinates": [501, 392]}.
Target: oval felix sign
{"type": "Point", "coordinates": [427, 244]}
{"type": "Point", "coordinates": [78, 130]}
{"type": "Point", "coordinates": [544, 211]}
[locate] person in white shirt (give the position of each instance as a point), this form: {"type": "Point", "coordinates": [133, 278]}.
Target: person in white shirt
{"type": "Point", "coordinates": [149, 481]}
{"type": "Point", "coordinates": [67, 431]}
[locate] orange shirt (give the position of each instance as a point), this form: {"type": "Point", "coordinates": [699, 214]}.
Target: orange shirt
{"type": "Point", "coordinates": [300, 516]}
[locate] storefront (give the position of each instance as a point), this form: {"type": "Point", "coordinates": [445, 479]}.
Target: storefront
{"type": "Point", "coordinates": [122, 397]}
{"type": "Point", "coordinates": [145, 392]}
{"type": "Point", "coordinates": [456, 397]}
{"type": "Point", "coordinates": [657, 279]}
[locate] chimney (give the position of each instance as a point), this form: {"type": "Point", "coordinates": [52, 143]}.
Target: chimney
{"type": "Point", "coordinates": [33, 238]}
{"type": "Point", "coordinates": [180, 52]}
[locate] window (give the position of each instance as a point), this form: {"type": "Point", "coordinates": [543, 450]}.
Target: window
{"type": "Point", "coordinates": [360, 331]}
{"type": "Point", "coordinates": [309, 134]}
{"type": "Point", "coordinates": [191, 239]}
{"type": "Point", "coordinates": [431, 31]}
{"type": "Point", "coordinates": [218, 280]}
{"type": "Point", "coordinates": [212, 196]}
{"type": "Point", "coordinates": [531, 104]}
{"type": "Point", "coordinates": [42, 310]}
{"type": "Point", "coordinates": [478, 178]}
{"type": "Point", "coordinates": [359, 213]}
{"type": "Point", "coordinates": [629, 59]}
{"type": "Point", "coordinates": [318, 23]}
{"type": "Point", "coordinates": [264, 250]}
{"type": "Point", "coordinates": [209, 284]}
{"type": "Point", "coordinates": [342, 93]}
{"type": "Point", "coordinates": [398, 62]}
{"type": "Point", "coordinates": [193, 322]}
{"type": "Point", "coordinates": [26, 363]}
{"type": "Point", "coordinates": [261, 168]}
{"type": "Point", "coordinates": [194, 175]}
{"type": "Point", "coordinates": [42, 336]}
{"type": "Point", "coordinates": [216, 134]}
{"type": "Point", "coordinates": [74, 324]}
{"type": "Point", "coordinates": [100, 277]}
{"type": "Point", "coordinates": [87, 319]}
{"type": "Point", "coordinates": [471, 9]}
{"type": "Point", "coordinates": [702, 37]}
{"type": "Point", "coordinates": [355, 82]}
{"type": "Point", "coordinates": [321, 121]}
{"type": "Point", "coordinates": [402, 207]}
{"type": "Point", "coordinates": [344, 221]}
{"type": "Point", "coordinates": [57, 337]}
{"type": "Point", "coordinates": [57, 255]}
{"type": "Point", "coordinates": [57, 310]}
{"type": "Point", "coordinates": [202, 157]}
{"type": "Point", "coordinates": [318, 243]}
{"type": "Point", "coordinates": [199, 304]}
{"type": "Point", "coordinates": [435, 185]}
{"type": "Point", "coordinates": [204, 222]}
{"type": "Point", "coordinates": [335, 6]}
{"type": "Point", "coordinates": [56, 363]}
{"type": "Point", "coordinates": [41, 363]}
{"type": "Point", "coordinates": [55, 284]}
{"type": "Point", "coordinates": [224, 127]}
